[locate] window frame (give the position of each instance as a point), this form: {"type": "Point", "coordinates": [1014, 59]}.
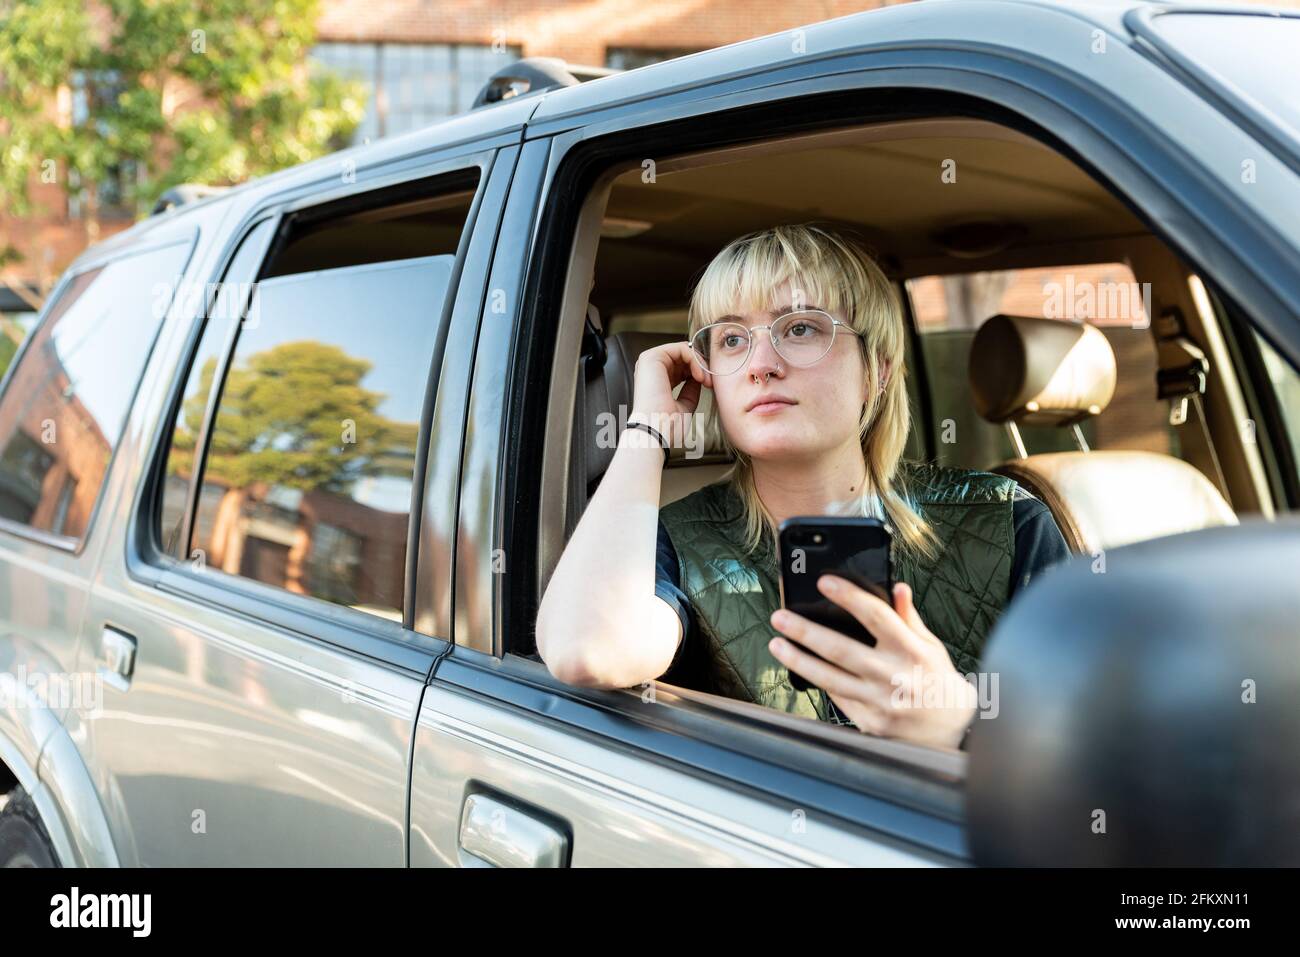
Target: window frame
{"type": "Point", "coordinates": [1274, 440]}
{"type": "Point", "coordinates": [189, 238]}
{"type": "Point", "coordinates": [191, 352]}
{"type": "Point", "coordinates": [577, 150]}
{"type": "Point", "coordinates": [336, 625]}
{"type": "Point", "coordinates": [918, 375]}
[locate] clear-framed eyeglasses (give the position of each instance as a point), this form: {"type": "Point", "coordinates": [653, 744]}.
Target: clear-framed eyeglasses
{"type": "Point", "coordinates": [801, 338]}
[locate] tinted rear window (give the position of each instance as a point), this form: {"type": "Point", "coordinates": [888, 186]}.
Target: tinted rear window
{"type": "Point", "coordinates": [309, 472]}
{"type": "Point", "coordinates": [66, 401]}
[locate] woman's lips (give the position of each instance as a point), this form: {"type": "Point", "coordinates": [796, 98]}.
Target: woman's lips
{"type": "Point", "coordinates": [769, 408]}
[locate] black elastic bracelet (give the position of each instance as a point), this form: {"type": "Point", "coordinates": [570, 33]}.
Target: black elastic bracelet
{"type": "Point", "coordinates": [663, 443]}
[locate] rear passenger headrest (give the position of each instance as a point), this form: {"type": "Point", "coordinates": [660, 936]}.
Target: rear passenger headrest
{"type": "Point", "coordinates": [1040, 371]}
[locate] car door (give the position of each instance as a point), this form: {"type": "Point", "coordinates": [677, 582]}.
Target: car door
{"type": "Point", "coordinates": [253, 626]}
{"type": "Point", "coordinates": [511, 768]}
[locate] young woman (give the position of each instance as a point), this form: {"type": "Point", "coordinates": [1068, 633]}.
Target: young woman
{"type": "Point", "coordinates": [800, 336]}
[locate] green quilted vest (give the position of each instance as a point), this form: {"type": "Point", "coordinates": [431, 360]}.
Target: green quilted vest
{"type": "Point", "coordinates": [959, 595]}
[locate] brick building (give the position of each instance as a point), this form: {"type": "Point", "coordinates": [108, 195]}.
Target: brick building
{"type": "Point", "coordinates": [422, 59]}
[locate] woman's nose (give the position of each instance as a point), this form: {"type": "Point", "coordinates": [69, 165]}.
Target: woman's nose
{"type": "Point", "coordinates": [763, 358]}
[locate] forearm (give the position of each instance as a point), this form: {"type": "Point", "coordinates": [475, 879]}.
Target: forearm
{"type": "Point", "coordinates": [600, 623]}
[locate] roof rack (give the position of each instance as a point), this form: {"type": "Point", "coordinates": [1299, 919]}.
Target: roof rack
{"type": "Point", "coordinates": [184, 193]}
{"type": "Point", "coordinates": [536, 74]}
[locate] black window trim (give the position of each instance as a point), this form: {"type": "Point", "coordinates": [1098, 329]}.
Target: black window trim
{"type": "Point", "coordinates": [443, 487]}
{"type": "Point", "coordinates": [97, 260]}
{"type": "Point", "coordinates": [1016, 93]}
{"type": "Point", "coordinates": [375, 637]}
{"type": "Point", "coordinates": [218, 380]}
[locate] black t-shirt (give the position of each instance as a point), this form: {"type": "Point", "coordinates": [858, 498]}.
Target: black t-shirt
{"type": "Point", "coordinates": [1039, 545]}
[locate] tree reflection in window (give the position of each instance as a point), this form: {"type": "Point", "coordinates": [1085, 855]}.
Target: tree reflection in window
{"type": "Point", "coordinates": [296, 418]}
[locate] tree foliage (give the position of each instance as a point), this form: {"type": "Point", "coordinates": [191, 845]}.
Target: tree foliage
{"type": "Point", "coordinates": [296, 415]}
{"type": "Point", "coordinates": [208, 91]}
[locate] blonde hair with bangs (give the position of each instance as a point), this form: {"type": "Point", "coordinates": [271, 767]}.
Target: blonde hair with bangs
{"type": "Point", "coordinates": [828, 269]}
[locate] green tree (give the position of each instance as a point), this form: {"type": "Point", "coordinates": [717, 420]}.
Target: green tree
{"type": "Point", "coordinates": [209, 91]}
{"type": "Point", "coordinates": [295, 415]}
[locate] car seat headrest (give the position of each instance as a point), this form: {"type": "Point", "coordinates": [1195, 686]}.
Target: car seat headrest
{"type": "Point", "coordinates": [1040, 371]}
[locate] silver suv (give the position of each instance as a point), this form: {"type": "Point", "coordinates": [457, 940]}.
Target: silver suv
{"type": "Point", "coordinates": [285, 469]}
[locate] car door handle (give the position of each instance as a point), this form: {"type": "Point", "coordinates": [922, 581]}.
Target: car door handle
{"type": "Point", "coordinates": [117, 657]}
{"type": "Point", "coordinates": [496, 834]}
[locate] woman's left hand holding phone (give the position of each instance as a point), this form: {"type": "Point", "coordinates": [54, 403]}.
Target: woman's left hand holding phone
{"type": "Point", "coordinates": [905, 687]}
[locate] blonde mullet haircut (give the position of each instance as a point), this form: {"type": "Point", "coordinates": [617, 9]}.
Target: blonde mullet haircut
{"type": "Point", "coordinates": [823, 265]}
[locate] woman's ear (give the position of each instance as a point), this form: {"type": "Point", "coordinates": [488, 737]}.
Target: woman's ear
{"type": "Point", "coordinates": [870, 388]}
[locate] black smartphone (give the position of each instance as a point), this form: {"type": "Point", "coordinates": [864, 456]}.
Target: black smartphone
{"type": "Point", "coordinates": [853, 548]}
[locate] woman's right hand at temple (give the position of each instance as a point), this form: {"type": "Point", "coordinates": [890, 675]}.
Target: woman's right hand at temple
{"type": "Point", "coordinates": [658, 372]}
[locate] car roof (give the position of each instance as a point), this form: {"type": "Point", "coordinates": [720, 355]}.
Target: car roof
{"type": "Point", "coordinates": [922, 20]}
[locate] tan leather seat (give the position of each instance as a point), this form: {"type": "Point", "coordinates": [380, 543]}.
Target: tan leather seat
{"type": "Point", "coordinates": [600, 398]}
{"type": "Point", "coordinates": [1047, 372]}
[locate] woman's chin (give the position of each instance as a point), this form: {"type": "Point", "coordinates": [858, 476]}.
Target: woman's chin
{"type": "Point", "coordinates": [773, 442]}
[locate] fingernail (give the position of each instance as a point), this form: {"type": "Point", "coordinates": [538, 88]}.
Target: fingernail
{"type": "Point", "coordinates": [829, 583]}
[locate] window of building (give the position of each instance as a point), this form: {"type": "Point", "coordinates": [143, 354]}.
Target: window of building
{"type": "Point", "coordinates": [412, 84]}
{"type": "Point", "coordinates": [94, 97]}
{"type": "Point", "coordinates": [66, 400]}
{"type": "Point", "coordinates": [629, 58]}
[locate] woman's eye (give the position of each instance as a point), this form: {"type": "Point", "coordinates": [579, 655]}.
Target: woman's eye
{"type": "Point", "coordinates": [799, 329]}
{"type": "Point", "coordinates": [731, 342]}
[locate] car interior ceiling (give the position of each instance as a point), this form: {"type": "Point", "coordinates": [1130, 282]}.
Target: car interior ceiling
{"type": "Point", "coordinates": [1021, 205]}
{"type": "Point", "coordinates": [658, 236]}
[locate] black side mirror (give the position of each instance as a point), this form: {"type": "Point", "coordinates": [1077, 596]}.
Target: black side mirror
{"type": "Point", "coordinates": [1147, 714]}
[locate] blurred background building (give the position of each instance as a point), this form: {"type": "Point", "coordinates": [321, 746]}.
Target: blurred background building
{"type": "Point", "coordinates": [421, 60]}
